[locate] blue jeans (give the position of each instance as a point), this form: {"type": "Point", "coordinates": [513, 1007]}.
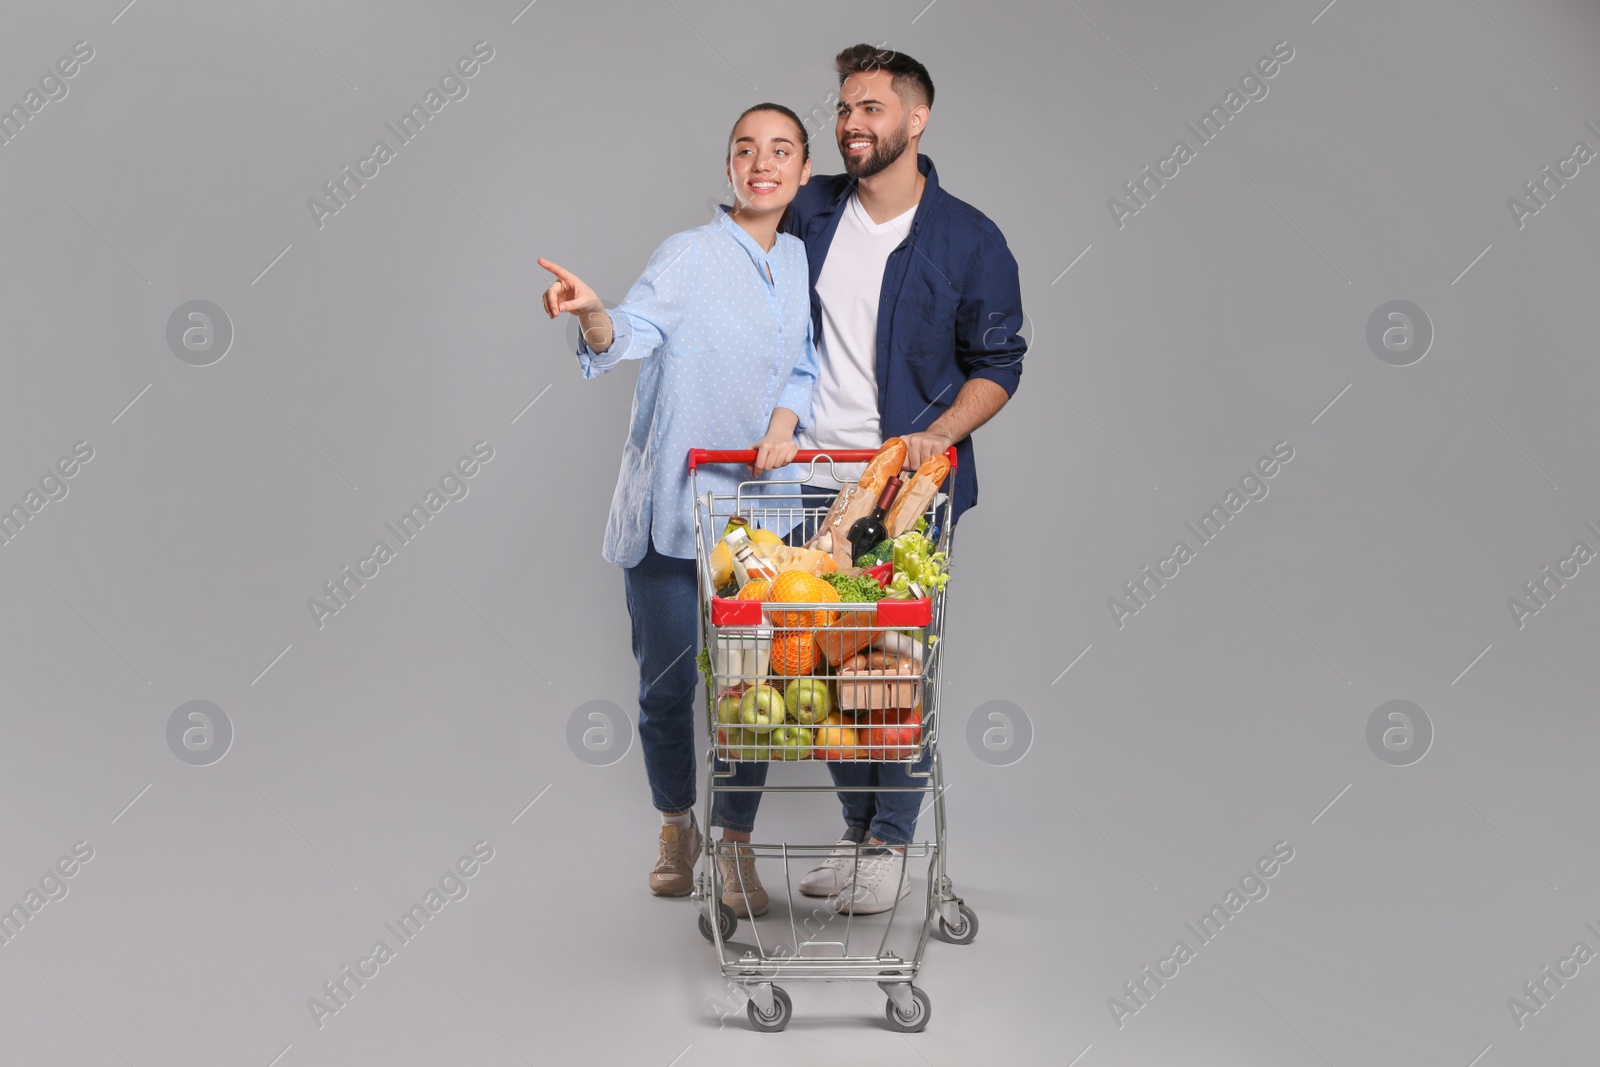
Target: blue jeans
{"type": "Point", "coordinates": [889, 817]}
{"type": "Point", "coordinates": [663, 602]}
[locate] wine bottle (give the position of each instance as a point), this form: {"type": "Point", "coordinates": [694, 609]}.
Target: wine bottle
{"type": "Point", "coordinates": [869, 531]}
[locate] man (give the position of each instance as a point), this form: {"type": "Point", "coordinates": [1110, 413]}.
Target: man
{"type": "Point", "coordinates": [916, 306]}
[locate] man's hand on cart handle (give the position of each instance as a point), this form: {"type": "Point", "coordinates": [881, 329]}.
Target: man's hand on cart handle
{"type": "Point", "coordinates": [570, 294]}
{"type": "Point", "coordinates": [921, 447]}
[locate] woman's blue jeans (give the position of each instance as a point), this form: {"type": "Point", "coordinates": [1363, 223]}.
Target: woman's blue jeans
{"type": "Point", "coordinates": [663, 602]}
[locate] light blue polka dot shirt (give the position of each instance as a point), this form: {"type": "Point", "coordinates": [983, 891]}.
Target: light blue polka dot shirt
{"type": "Point", "coordinates": [723, 344]}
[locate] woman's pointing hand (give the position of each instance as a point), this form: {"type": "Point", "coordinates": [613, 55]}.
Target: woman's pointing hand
{"type": "Point", "coordinates": [568, 293]}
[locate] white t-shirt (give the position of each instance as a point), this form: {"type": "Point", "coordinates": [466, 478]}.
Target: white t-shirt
{"type": "Point", "coordinates": [844, 404]}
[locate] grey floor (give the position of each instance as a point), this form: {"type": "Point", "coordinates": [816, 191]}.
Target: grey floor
{"type": "Point", "coordinates": [219, 902]}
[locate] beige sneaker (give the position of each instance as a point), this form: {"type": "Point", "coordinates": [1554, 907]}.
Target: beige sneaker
{"type": "Point", "coordinates": [741, 886]}
{"type": "Point", "coordinates": [674, 871]}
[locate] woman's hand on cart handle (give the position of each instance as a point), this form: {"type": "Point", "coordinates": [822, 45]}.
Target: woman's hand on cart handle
{"type": "Point", "coordinates": [777, 448]}
{"type": "Point", "coordinates": [773, 452]}
{"type": "Point", "coordinates": [569, 293]}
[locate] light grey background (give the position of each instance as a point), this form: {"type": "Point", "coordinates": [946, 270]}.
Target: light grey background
{"type": "Point", "coordinates": [1226, 716]}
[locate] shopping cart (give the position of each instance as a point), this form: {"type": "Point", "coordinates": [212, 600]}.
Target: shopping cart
{"type": "Point", "coordinates": [795, 648]}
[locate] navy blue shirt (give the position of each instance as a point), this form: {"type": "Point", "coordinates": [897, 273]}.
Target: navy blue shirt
{"type": "Point", "coordinates": [949, 311]}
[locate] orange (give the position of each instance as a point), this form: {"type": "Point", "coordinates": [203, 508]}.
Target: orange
{"type": "Point", "coordinates": [794, 652]}
{"type": "Point", "coordinates": [829, 595]}
{"type": "Point", "coordinates": [798, 587]}
{"type": "Point", "coordinates": [792, 587]}
{"type": "Point", "coordinates": [754, 590]}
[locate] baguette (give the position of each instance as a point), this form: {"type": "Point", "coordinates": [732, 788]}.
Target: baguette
{"type": "Point", "coordinates": [912, 502]}
{"type": "Point", "coordinates": [936, 467]}
{"type": "Point", "coordinates": [889, 461]}
{"type": "Point", "coordinates": [914, 499]}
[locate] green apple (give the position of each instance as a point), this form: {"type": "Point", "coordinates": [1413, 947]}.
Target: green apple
{"type": "Point", "coordinates": [762, 707]}
{"type": "Point", "coordinates": [806, 700]}
{"type": "Point", "coordinates": [754, 747]}
{"type": "Point", "coordinates": [791, 742]}
{"type": "Point", "coordinates": [728, 709]}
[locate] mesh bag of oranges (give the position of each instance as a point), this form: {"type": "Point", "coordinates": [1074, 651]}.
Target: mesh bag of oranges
{"type": "Point", "coordinates": [798, 587]}
{"type": "Point", "coordinates": [794, 648]}
{"type": "Point", "coordinates": [794, 652]}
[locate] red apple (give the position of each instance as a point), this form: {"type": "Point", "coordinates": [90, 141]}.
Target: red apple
{"type": "Point", "coordinates": [897, 737]}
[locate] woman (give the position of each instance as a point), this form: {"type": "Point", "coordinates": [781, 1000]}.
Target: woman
{"type": "Point", "coordinates": [722, 319]}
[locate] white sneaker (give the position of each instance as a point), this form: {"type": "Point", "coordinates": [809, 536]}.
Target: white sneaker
{"type": "Point", "coordinates": [830, 876]}
{"type": "Point", "coordinates": [879, 884]}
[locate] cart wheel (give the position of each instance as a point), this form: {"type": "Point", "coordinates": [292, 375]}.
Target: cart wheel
{"type": "Point", "coordinates": [725, 919]}
{"type": "Point", "coordinates": [916, 1020]}
{"type": "Point", "coordinates": [963, 930]}
{"type": "Point", "coordinates": [782, 1010]}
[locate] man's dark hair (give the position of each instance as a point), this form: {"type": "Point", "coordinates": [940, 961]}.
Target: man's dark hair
{"type": "Point", "coordinates": [911, 78]}
{"type": "Point", "coordinates": [805, 137]}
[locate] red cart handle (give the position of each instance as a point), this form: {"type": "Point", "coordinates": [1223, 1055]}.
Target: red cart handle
{"type": "Point", "coordinates": [697, 456]}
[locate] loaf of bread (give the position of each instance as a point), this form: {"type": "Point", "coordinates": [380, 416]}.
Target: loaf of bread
{"type": "Point", "coordinates": [914, 499]}
{"type": "Point", "coordinates": [889, 461]}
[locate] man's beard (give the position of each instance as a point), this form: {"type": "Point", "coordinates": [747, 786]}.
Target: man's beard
{"type": "Point", "coordinates": [883, 155]}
